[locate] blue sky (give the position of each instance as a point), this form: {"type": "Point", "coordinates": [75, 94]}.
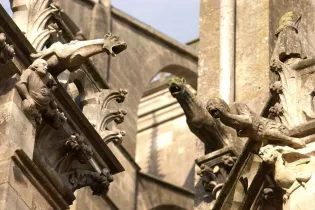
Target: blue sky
{"type": "Point", "coordinates": [178, 19]}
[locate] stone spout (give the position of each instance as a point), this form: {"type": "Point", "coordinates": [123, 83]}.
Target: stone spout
{"type": "Point", "coordinates": [72, 55]}
{"type": "Point", "coordinates": [199, 121]}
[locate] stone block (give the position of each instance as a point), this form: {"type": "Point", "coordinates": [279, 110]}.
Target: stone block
{"type": "Point", "coordinates": [8, 197]}
{"type": "Point", "coordinates": [21, 205]}
{"type": "Point", "coordinates": [16, 127]}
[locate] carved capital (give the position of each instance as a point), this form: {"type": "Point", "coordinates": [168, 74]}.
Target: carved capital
{"type": "Point", "coordinates": [99, 183]}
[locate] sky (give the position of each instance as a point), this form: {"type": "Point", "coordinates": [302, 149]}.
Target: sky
{"type": "Point", "coordinates": [178, 19]}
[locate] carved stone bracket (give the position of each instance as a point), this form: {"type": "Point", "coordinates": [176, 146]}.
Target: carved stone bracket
{"type": "Point", "coordinates": [119, 96]}
{"type": "Point", "coordinates": [99, 112]}
{"type": "Point", "coordinates": [72, 164]}
{"type": "Point", "coordinates": [215, 168]}
{"type": "Point", "coordinates": [6, 50]}
{"type": "Point", "coordinates": [110, 115]}
{"type": "Point", "coordinates": [113, 136]}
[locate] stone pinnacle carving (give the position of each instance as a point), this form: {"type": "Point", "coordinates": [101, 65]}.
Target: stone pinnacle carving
{"type": "Point", "coordinates": [35, 18]}
{"type": "Point", "coordinates": [295, 70]}
{"type": "Point", "coordinates": [35, 87]}
{"type": "Point", "coordinates": [72, 55]}
{"type": "Point", "coordinates": [248, 124]}
{"type": "Point", "coordinates": [199, 121]}
{"type": "Point", "coordinates": [6, 50]}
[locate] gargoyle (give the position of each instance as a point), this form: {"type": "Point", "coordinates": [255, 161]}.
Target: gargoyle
{"type": "Point", "coordinates": [291, 168]}
{"type": "Point", "coordinates": [72, 55]}
{"type": "Point", "coordinates": [35, 87]}
{"type": "Point", "coordinates": [249, 124]}
{"type": "Point", "coordinates": [198, 119]}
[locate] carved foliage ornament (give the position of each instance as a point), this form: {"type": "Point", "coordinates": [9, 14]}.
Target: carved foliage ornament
{"type": "Point", "coordinates": [33, 16]}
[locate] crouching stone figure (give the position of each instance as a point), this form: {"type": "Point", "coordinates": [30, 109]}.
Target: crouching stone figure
{"type": "Point", "coordinates": [293, 172]}
{"type": "Point", "coordinates": [35, 87]}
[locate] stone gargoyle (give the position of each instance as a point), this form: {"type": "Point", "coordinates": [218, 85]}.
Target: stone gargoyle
{"type": "Point", "coordinates": [198, 119]}
{"type": "Point", "coordinates": [35, 87]}
{"type": "Point", "coordinates": [291, 169]}
{"type": "Point", "coordinates": [72, 55]}
{"type": "Point", "coordinates": [249, 124]}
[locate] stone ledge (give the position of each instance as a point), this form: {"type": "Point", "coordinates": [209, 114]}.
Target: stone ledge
{"type": "Point", "coordinates": [39, 180]}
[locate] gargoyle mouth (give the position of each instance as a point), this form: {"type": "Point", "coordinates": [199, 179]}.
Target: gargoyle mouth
{"type": "Point", "coordinates": [174, 89]}
{"type": "Point", "coordinates": [214, 113]}
{"type": "Point", "coordinates": [118, 48]}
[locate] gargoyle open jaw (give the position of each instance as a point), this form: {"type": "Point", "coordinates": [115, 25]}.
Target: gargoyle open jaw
{"type": "Point", "coordinates": [174, 89]}
{"type": "Point", "coordinates": [112, 45]}
{"type": "Point", "coordinates": [118, 49]}
{"type": "Point", "coordinates": [215, 113]}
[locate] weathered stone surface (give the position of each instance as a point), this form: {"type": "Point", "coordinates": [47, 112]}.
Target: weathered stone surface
{"type": "Point", "coordinates": [156, 194]}
{"type": "Point", "coordinates": [162, 140]}
{"type": "Point", "coordinates": [123, 189]}
{"type": "Point", "coordinates": [8, 197]}
{"type": "Point", "coordinates": [15, 126]}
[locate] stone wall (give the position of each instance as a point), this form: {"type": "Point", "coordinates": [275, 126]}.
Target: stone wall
{"type": "Point", "coordinates": [149, 52]}
{"type": "Point", "coordinates": [165, 145]}
{"type": "Point", "coordinates": [154, 194]}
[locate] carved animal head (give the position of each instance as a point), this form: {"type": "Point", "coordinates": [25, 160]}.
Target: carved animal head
{"type": "Point", "coordinates": [289, 156]}
{"type": "Point", "coordinates": [289, 19]}
{"type": "Point", "coordinates": [112, 44]}
{"type": "Point", "coordinates": [216, 106]}
{"type": "Point", "coordinates": [268, 154]}
{"type": "Point", "coordinates": [176, 86]}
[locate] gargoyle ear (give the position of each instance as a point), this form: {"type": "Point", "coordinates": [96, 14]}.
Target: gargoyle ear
{"type": "Point", "coordinates": [183, 80]}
